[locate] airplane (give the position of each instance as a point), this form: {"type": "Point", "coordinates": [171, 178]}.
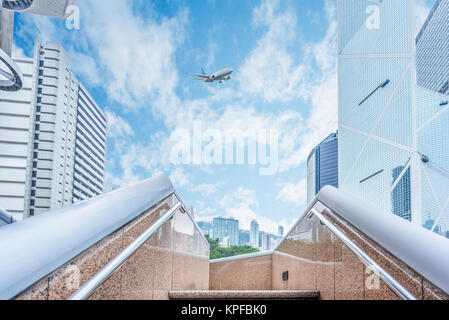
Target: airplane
{"type": "Point", "coordinates": [223, 75]}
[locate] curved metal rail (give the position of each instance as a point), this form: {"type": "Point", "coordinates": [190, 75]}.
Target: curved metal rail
{"type": "Point", "coordinates": [14, 77]}
{"type": "Point", "coordinates": [107, 271]}
{"type": "Point", "coordinates": [17, 5]}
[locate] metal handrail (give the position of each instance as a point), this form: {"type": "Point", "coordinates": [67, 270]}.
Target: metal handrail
{"type": "Point", "coordinates": [389, 280]}
{"type": "Point", "coordinates": [107, 271]}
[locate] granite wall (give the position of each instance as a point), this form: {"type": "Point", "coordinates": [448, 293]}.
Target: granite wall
{"type": "Point", "coordinates": [242, 274]}
{"type": "Point", "coordinates": [316, 260]}
{"type": "Point", "coordinates": [175, 258]}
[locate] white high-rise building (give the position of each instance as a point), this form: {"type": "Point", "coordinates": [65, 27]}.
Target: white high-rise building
{"type": "Point", "coordinates": [52, 137]}
{"type": "Point", "coordinates": [254, 234]}
{"type": "Point", "coordinates": [266, 242]}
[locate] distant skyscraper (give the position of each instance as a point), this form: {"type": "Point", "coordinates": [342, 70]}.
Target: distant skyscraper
{"type": "Point", "coordinates": [261, 233]}
{"type": "Point", "coordinates": [52, 137]}
{"type": "Point", "coordinates": [281, 231]}
{"type": "Point", "coordinates": [401, 196]}
{"type": "Point", "coordinates": [266, 242]}
{"type": "Point", "coordinates": [254, 234]}
{"type": "Point", "coordinates": [386, 120]}
{"type": "Point", "coordinates": [322, 166]}
{"type": "Point", "coordinates": [432, 50]}
{"type": "Point", "coordinates": [223, 227]}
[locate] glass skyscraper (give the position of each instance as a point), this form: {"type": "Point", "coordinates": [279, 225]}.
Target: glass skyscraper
{"type": "Point", "coordinates": [322, 166]}
{"type": "Point", "coordinates": [432, 50]}
{"type": "Point", "coordinates": [401, 200]}
{"type": "Point", "coordinates": [226, 228]}
{"type": "Point", "coordinates": [393, 134]}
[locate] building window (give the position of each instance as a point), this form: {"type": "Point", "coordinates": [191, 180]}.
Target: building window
{"type": "Point", "coordinates": [31, 212]}
{"type": "Point", "coordinates": [41, 63]}
{"type": "Point", "coordinates": [38, 118]}
{"type": "Point", "coordinates": [39, 99]}
{"type": "Point", "coordinates": [39, 90]}
{"type": "Point", "coordinates": [38, 108]}
{"type": "Point", "coordinates": [33, 193]}
{"type": "Point", "coordinates": [41, 72]}
{"type": "Point", "coordinates": [36, 146]}
{"type": "Point", "coordinates": [35, 154]}
{"type": "Point", "coordinates": [33, 183]}
{"type": "Point", "coordinates": [34, 174]}
{"type": "Point", "coordinates": [34, 164]}
{"type": "Point", "coordinates": [37, 127]}
{"type": "Point", "coordinates": [40, 81]}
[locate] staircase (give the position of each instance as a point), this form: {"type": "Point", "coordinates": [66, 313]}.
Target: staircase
{"type": "Point", "coordinates": [245, 295]}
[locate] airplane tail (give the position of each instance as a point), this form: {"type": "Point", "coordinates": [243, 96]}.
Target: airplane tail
{"type": "Point", "coordinates": [202, 71]}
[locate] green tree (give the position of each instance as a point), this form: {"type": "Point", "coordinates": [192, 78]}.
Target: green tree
{"type": "Point", "coordinates": [217, 252]}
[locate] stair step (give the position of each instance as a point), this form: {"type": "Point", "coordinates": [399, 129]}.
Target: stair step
{"type": "Point", "coordinates": [245, 295]}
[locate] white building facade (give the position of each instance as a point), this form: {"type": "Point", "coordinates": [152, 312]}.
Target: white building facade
{"type": "Point", "coordinates": [266, 242]}
{"type": "Point", "coordinates": [52, 137]}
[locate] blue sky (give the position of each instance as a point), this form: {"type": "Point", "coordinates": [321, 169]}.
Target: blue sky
{"type": "Point", "coordinates": [133, 55]}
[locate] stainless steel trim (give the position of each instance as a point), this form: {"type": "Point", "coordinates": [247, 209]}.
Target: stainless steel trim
{"type": "Point", "coordinates": [243, 256]}
{"type": "Point", "coordinates": [107, 271]}
{"type": "Point", "coordinates": [390, 281]}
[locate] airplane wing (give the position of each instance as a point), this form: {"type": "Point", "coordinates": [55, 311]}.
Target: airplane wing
{"type": "Point", "coordinates": [199, 75]}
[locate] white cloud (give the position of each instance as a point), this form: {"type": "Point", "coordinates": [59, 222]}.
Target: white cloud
{"type": "Point", "coordinates": [271, 71]}
{"type": "Point", "coordinates": [294, 193]}
{"type": "Point", "coordinates": [137, 53]}
{"type": "Point", "coordinates": [179, 178]}
{"type": "Point", "coordinates": [227, 109]}
{"type": "Point", "coordinates": [85, 66]}
{"type": "Point", "coordinates": [207, 189]}
{"type": "Point", "coordinates": [17, 52]}
{"type": "Point", "coordinates": [117, 126]}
